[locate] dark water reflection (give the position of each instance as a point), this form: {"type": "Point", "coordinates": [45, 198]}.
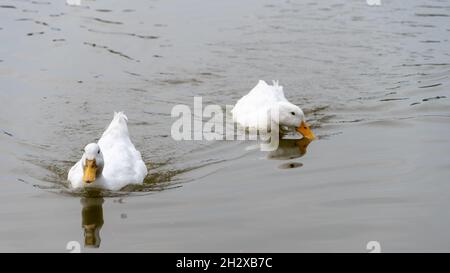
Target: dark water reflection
{"type": "Point", "coordinates": [92, 220]}
{"type": "Point", "coordinates": [290, 149]}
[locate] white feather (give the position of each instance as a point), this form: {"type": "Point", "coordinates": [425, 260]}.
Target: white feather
{"type": "Point", "coordinates": [254, 109]}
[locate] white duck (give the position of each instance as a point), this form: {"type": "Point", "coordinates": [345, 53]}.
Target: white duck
{"type": "Point", "coordinates": [112, 163]}
{"type": "Point", "coordinates": [255, 110]}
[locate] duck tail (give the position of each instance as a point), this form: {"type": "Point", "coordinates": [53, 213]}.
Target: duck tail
{"type": "Point", "coordinates": [276, 85]}
{"type": "Point", "coordinates": [118, 125]}
{"type": "Point", "coordinates": [120, 115]}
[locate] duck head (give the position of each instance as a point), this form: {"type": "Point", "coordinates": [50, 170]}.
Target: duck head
{"type": "Point", "coordinates": [92, 162]}
{"type": "Point", "coordinates": [290, 115]}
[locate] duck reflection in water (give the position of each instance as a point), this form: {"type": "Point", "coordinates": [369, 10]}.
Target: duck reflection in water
{"type": "Point", "coordinates": [290, 149]}
{"type": "Point", "coordinates": [92, 220]}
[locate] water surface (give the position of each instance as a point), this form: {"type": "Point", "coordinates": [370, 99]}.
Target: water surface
{"type": "Point", "coordinates": [373, 81]}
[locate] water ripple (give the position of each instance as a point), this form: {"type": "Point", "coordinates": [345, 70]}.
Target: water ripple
{"type": "Point", "coordinates": [124, 33]}
{"type": "Point", "coordinates": [111, 51]}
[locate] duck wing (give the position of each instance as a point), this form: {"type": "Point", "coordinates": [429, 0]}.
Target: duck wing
{"type": "Point", "coordinates": [254, 106]}
{"type": "Point", "coordinates": [123, 163]}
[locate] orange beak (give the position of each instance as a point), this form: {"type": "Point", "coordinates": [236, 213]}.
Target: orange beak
{"type": "Point", "coordinates": [90, 171]}
{"type": "Point", "coordinates": [306, 131]}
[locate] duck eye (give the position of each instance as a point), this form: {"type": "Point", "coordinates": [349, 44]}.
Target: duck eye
{"type": "Point", "coordinates": [98, 151]}
{"type": "Point", "coordinates": [293, 113]}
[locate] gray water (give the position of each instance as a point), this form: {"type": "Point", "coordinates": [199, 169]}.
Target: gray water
{"type": "Point", "coordinates": [372, 80]}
